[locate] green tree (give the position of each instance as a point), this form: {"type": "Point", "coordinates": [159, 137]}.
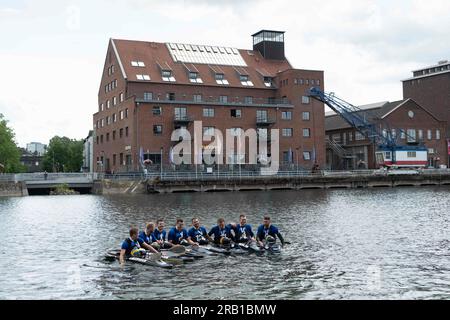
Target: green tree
{"type": "Point", "coordinates": [9, 152]}
{"type": "Point", "coordinates": [63, 155]}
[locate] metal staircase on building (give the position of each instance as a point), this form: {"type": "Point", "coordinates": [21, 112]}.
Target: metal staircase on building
{"type": "Point", "coordinates": [339, 150]}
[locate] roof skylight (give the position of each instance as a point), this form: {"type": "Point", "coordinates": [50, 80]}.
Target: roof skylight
{"type": "Point", "coordinates": [205, 54]}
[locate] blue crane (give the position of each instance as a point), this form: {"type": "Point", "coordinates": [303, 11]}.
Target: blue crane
{"type": "Point", "coordinates": [384, 139]}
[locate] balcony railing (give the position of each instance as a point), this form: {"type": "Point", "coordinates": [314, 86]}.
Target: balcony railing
{"type": "Point", "coordinates": [231, 101]}
{"type": "Point", "coordinates": [264, 121]}
{"type": "Point", "coordinates": [182, 119]}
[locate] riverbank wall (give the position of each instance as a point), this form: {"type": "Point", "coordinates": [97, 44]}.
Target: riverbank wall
{"type": "Point", "coordinates": [260, 183]}
{"type": "Point", "coordinates": [298, 183]}
{"type": "Point", "coordinates": [12, 189]}
{"type": "Point", "coordinates": [210, 183]}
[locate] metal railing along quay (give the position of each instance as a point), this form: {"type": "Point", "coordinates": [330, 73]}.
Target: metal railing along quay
{"type": "Point", "coordinates": [216, 175]}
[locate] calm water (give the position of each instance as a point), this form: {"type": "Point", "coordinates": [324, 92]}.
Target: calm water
{"type": "Point", "coordinates": [385, 243]}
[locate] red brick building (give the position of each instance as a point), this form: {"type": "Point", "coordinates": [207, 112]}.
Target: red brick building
{"type": "Point", "coordinates": [430, 87]}
{"type": "Point", "coordinates": [410, 122]}
{"type": "Point", "coordinates": [149, 89]}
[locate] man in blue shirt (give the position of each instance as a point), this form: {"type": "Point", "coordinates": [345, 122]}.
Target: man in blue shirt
{"type": "Point", "coordinates": [133, 243]}
{"type": "Point", "coordinates": [197, 234]}
{"type": "Point", "coordinates": [159, 235]}
{"type": "Point", "coordinates": [267, 229]}
{"type": "Point", "coordinates": [222, 233]}
{"type": "Point", "coordinates": [177, 234]}
{"type": "Point", "coordinates": [147, 234]}
{"type": "Point", "coordinates": [243, 231]}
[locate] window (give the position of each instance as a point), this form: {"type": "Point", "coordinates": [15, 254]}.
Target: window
{"type": "Point", "coordinates": [359, 136]}
{"type": "Point", "coordinates": [306, 132]}
{"type": "Point", "coordinates": [245, 80]}
{"type": "Point", "coordinates": [121, 133]}
{"type": "Point", "coordinates": [107, 137]}
{"type": "Point", "coordinates": [157, 129]}
{"type": "Point", "coordinates": [261, 115]}
{"type": "Point", "coordinates": [287, 157]}
{"type": "Point", "coordinates": [197, 98]}
{"type": "Point", "coordinates": [102, 122]}
{"type": "Point", "coordinates": [306, 115]}
{"type": "Point", "coordinates": [393, 133]}
{"type": "Point", "coordinates": [121, 115]}
{"type": "Point", "coordinates": [431, 151]}
{"type": "Point", "coordinates": [101, 107]}
{"type": "Point", "coordinates": [157, 111]}
{"type": "Point", "coordinates": [101, 139]}
{"type": "Point", "coordinates": [121, 97]}
{"type": "Point", "coordinates": [306, 81]}
{"type": "Point", "coordinates": [98, 139]}
{"type": "Point", "coordinates": [429, 135]}
{"type": "Point", "coordinates": [126, 113]}
{"type": "Point", "coordinates": [305, 100]}
{"type": "Point", "coordinates": [170, 96]}
{"type": "Point", "coordinates": [121, 159]}
{"type": "Point", "coordinates": [411, 154]}
{"type": "Point", "coordinates": [114, 101]}
{"type": "Point", "coordinates": [286, 115]}
{"type": "Point", "coordinates": [208, 112]}
{"type": "Point", "coordinates": [126, 131]}
{"type": "Point", "coordinates": [148, 95]}
{"type": "Point", "coordinates": [137, 64]}
{"type": "Point", "coordinates": [307, 155]}
{"type": "Point", "coordinates": [108, 104]}
{"type": "Point", "coordinates": [208, 131]}
{"type": "Point", "coordinates": [114, 117]}
{"type": "Point", "coordinates": [411, 135]}
{"type": "Point", "coordinates": [108, 121]}
{"type": "Point", "coordinates": [387, 155]}
{"type": "Point", "coordinates": [236, 113]}
{"type": "Point", "coordinates": [317, 82]}
{"type": "Point", "coordinates": [268, 81]}
{"type": "Point", "coordinates": [420, 134]}
{"type": "Point", "coordinates": [287, 132]}
{"type": "Point", "coordinates": [220, 79]}
{"type": "Point", "coordinates": [223, 99]}
{"type": "Point", "coordinates": [402, 134]}
{"type": "Point", "coordinates": [350, 136]}
{"type": "Point", "coordinates": [300, 81]}
{"type": "Point", "coordinates": [143, 77]}
{"type": "Point", "coordinates": [438, 134]}
{"type": "Point", "coordinates": [248, 100]}
{"type": "Point", "coordinates": [194, 78]}
{"type": "Point", "coordinates": [114, 159]}
{"type": "Point", "coordinates": [114, 135]}
{"type": "Point", "coordinates": [167, 76]}
{"type": "Point", "coordinates": [180, 113]}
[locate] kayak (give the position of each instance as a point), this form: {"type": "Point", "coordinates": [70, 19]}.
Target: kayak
{"type": "Point", "coordinates": [169, 255]}
{"type": "Point", "coordinates": [275, 248]}
{"type": "Point", "coordinates": [115, 255]}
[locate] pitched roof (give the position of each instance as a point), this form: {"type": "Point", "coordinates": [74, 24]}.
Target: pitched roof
{"type": "Point", "coordinates": [371, 112]}
{"type": "Point", "coordinates": [157, 56]}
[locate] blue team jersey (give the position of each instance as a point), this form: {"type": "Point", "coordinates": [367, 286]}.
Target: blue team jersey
{"type": "Point", "coordinates": [197, 234]}
{"type": "Point", "coordinates": [129, 244]}
{"type": "Point", "coordinates": [148, 239]}
{"type": "Point", "coordinates": [159, 235]}
{"type": "Point", "coordinates": [220, 233]}
{"type": "Point", "coordinates": [264, 232]}
{"type": "Point", "coordinates": [177, 235]}
{"type": "Point", "coordinates": [243, 233]}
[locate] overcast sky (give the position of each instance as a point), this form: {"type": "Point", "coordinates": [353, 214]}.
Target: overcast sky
{"type": "Point", "coordinates": [52, 52]}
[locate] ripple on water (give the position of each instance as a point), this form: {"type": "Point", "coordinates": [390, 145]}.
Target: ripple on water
{"type": "Point", "coordinates": [352, 244]}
